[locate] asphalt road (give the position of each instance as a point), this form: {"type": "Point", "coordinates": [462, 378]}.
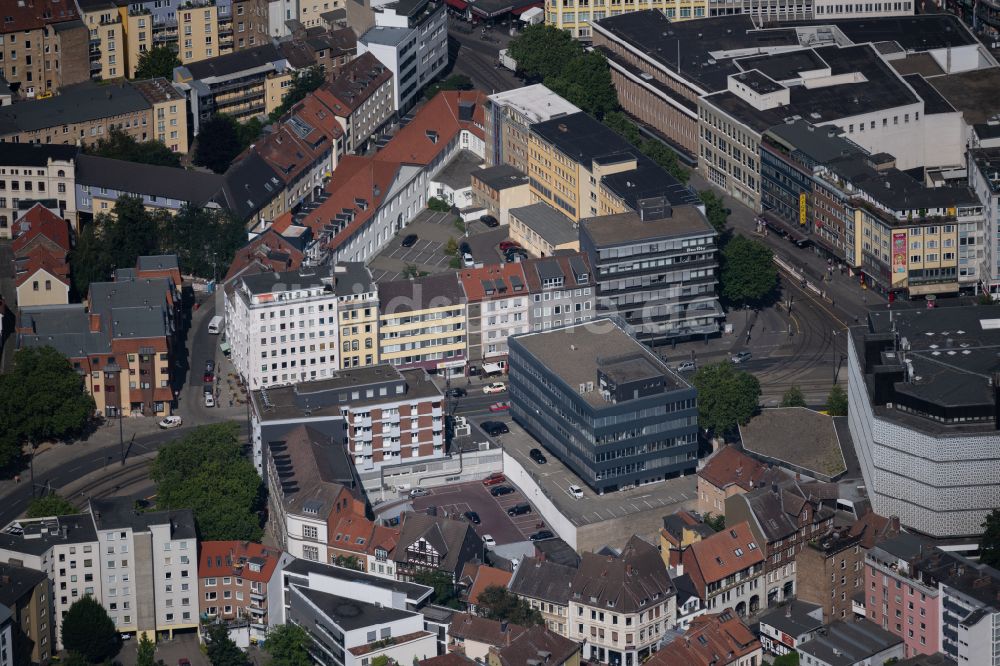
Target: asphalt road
{"type": "Point", "coordinates": [472, 55]}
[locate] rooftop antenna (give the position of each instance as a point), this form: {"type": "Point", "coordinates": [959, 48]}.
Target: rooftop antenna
{"type": "Point", "coordinates": [678, 55]}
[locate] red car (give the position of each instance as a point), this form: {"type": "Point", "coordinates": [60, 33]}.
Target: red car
{"type": "Point", "coordinates": [508, 244]}
{"type": "Point", "coordinates": [499, 406]}
{"type": "Point", "coordinates": [494, 478]}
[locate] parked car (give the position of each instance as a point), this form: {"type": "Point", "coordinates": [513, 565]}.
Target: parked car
{"type": "Point", "coordinates": [494, 387]}
{"type": "Point", "coordinates": [803, 243]}
{"type": "Point", "coordinates": [171, 422]}
{"type": "Point", "coordinates": [209, 400]}
{"type": "Point", "coordinates": [508, 244]}
{"type": "Point", "coordinates": [489, 541]}
{"type": "Point", "coordinates": [465, 248]}
{"type": "Point", "coordinates": [210, 366]}
{"type": "Point", "coordinates": [468, 261]}
{"type": "Point", "coordinates": [457, 393]}
{"type": "Point", "coordinates": [410, 240]}
{"type": "Point", "coordinates": [499, 406]}
{"type": "Point", "coordinates": [500, 491]}
{"type": "Point", "coordinates": [494, 478]}
{"type": "Point", "coordinates": [419, 492]}
{"type": "Point", "coordinates": [183, 661]}
{"type": "Point", "coordinates": [576, 491]}
{"type": "Point", "coordinates": [494, 428]}
{"type": "Point", "coordinates": [208, 377]}
{"type": "Point", "coordinates": [472, 517]}
{"type": "Point", "coordinates": [490, 221]}
{"type": "Point", "coordinates": [509, 254]}
{"type": "Point", "coordinates": [542, 535]}
{"type": "Point", "coordinates": [741, 357]}
{"type": "Point", "coordinates": [537, 456]}
{"type": "Point", "coordinates": [519, 509]}
{"type": "Point", "coordinates": [686, 366]}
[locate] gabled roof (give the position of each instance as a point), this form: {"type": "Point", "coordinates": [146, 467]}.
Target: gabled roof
{"type": "Point", "coordinates": [40, 221]}
{"type": "Point", "coordinates": [356, 82]}
{"type": "Point", "coordinates": [777, 508]}
{"type": "Point", "coordinates": [466, 626]}
{"type": "Point", "coordinates": [248, 185]}
{"type": "Point", "coordinates": [711, 639]}
{"type": "Point", "coordinates": [493, 282]}
{"type": "Point", "coordinates": [195, 187]}
{"type": "Point", "coordinates": [538, 645]}
{"type": "Point", "coordinates": [675, 523]}
{"type": "Point", "coordinates": [430, 291]}
{"type": "Point", "coordinates": [635, 580]}
{"type": "Point", "coordinates": [268, 251]}
{"type": "Point", "coordinates": [23, 16]}
{"type": "Point", "coordinates": [722, 554]}
{"type": "Point", "coordinates": [487, 577]}
{"type": "Point", "coordinates": [730, 466]}
{"type": "Point", "coordinates": [444, 535]}
{"type": "Point", "coordinates": [311, 469]}
{"type": "Point", "coordinates": [435, 125]}
{"type": "Point", "coordinates": [542, 579]}
{"type": "Point", "coordinates": [40, 259]}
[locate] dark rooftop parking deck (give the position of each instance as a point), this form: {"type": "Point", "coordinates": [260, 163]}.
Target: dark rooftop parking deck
{"type": "Point", "coordinates": [454, 500]}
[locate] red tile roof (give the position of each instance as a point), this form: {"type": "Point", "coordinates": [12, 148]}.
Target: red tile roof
{"type": "Point", "coordinates": [472, 280]}
{"type": "Point", "coordinates": [35, 14]}
{"type": "Point", "coordinates": [730, 466]}
{"type": "Point", "coordinates": [230, 558]}
{"type": "Point", "coordinates": [434, 127]}
{"type": "Point", "coordinates": [40, 259]}
{"type": "Point", "coordinates": [715, 557]}
{"type": "Point", "coordinates": [711, 640]}
{"type": "Point", "coordinates": [267, 252]}
{"type": "Point", "coordinates": [487, 576]}
{"type": "Point", "coordinates": [40, 221]}
{"type": "Point", "coordinates": [355, 178]}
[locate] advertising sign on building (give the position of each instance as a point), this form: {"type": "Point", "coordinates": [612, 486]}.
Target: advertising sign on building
{"type": "Point", "coordinates": [802, 209]}
{"type": "Point", "coordinates": [899, 253]}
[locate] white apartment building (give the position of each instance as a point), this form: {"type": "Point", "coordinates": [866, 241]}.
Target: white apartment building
{"type": "Point", "coordinates": [66, 549]}
{"type": "Point", "coordinates": [620, 607]}
{"type": "Point", "coordinates": [33, 171]}
{"type": "Point", "coordinates": [142, 567]}
{"type": "Point", "coordinates": [282, 327]}
{"type": "Point", "coordinates": [413, 45]}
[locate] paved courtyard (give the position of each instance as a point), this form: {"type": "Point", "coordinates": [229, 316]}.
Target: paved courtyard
{"type": "Point", "coordinates": [453, 501]}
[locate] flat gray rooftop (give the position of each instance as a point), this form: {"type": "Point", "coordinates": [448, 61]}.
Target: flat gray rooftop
{"type": "Point", "coordinates": [802, 438]}
{"type": "Point", "coordinates": [628, 227]}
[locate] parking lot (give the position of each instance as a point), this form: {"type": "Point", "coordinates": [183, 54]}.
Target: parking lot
{"type": "Point", "coordinates": [427, 254]}
{"type": "Point", "coordinates": [455, 500]}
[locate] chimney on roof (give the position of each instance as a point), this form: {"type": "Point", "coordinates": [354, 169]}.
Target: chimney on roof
{"type": "Point", "coordinates": [774, 488]}
{"type": "Point", "coordinates": [95, 322]}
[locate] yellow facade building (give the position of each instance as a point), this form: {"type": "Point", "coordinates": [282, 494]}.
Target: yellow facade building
{"type": "Point", "coordinates": [575, 15]}
{"type": "Point", "coordinates": [198, 33]}
{"type": "Point", "coordinates": [108, 58]}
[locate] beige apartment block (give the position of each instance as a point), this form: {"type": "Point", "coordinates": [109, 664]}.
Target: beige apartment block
{"type": "Point", "coordinates": [197, 33]}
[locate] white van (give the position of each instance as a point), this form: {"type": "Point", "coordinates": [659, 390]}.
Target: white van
{"type": "Point", "coordinates": [215, 325]}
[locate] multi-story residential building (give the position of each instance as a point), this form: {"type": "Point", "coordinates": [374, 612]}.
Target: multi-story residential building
{"type": "Point", "coordinates": [378, 413]}
{"type": "Point", "coordinates": [267, 252]}
{"type": "Point", "coordinates": [283, 327]}
{"type": "Point", "coordinates": [497, 307]}
{"type": "Point", "coordinates": [67, 551]}
{"type": "Point", "coordinates": [729, 472]}
{"type": "Point", "coordinates": [411, 39]}
{"type": "Point", "coordinates": [123, 344]}
{"type": "Point", "coordinates": [361, 98]}
{"type": "Point", "coordinates": [27, 595]}
{"type": "Point", "coordinates": [582, 168]}
{"type": "Point", "coordinates": [675, 301]}
{"type": "Point", "coordinates": [499, 189]}
{"type": "Point", "coordinates": [43, 45]}
{"type": "Point", "coordinates": [509, 117]}
{"type": "Point", "coordinates": [41, 258]}
{"type": "Point", "coordinates": [576, 17]}
{"type": "Point", "coordinates": [562, 290]}
{"type": "Point", "coordinates": [856, 643]}
{"type": "Point", "coordinates": [620, 607]}
{"type": "Point", "coordinates": [713, 640]}
{"type": "Point", "coordinates": [902, 600]}
{"type": "Point", "coordinates": [923, 448]}
{"type": "Point", "coordinates": [784, 628]}
{"type": "Point", "coordinates": [547, 587]}
{"type": "Point", "coordinates": [249, 23]}
{"type": "Point", "coordinates": [237, 84]}
{"type": "Point", "coordinates": [149, 567]}
{"type": "Point", "coordinates": [100, 181]}
{"type": "Point", "coordinates": [680, 530]}
{"type": "Point", "coordinates": [604, 404]}
{"type": "Point", "coordinates": [984, 179]}
{"type": "Point", "coordinates": [85, 113]}
{"type": "Point", "coordinates": [541, 229]}
{"type": "Point", "coordinates": [435, 544]}
{"type": "Point", "coordinates": [311, 486]}
{"type": "Point", "coordinates": [830, 571]}
{"type": "Point", "coordinates": [237, 581]}
{"type": "Point", "coordinates": [36, 173]}
{"type": "Point", "coordinates": [423, 324]}
{"type": "Point", "coordinates": [473, 636]}
{"type": "Point", "coordinates": [359, 543]}
{"type": "Point", "coordinates": [353, 618]}
{"type": "Point", "coordinates": [727, 570]}
{"type": "Point", "coordinates": [370, 199]}
{"type": "Point", "coordinates": [358, 310]}
{"type": "Point", "coordinates": [783, 518]}
{"type": "Point", "coordinates": [536, 644]}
